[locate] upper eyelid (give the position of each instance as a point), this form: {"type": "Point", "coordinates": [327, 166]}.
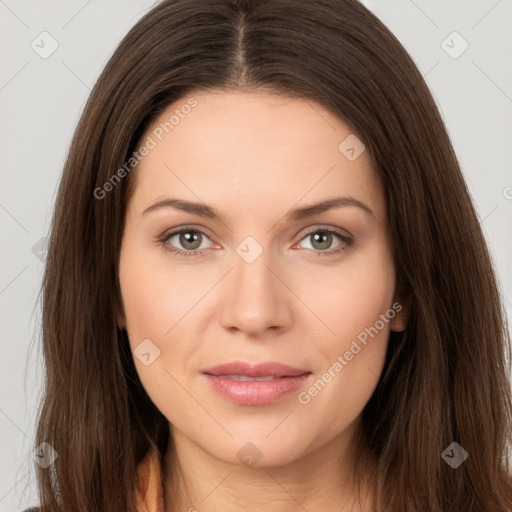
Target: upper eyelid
{"type": "Point", "coordinates": [320, 227]}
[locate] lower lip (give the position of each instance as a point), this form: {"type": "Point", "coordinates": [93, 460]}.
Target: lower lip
{"type": "Point", "coordinates": [255, 392]}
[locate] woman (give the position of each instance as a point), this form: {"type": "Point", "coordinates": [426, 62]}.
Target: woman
{"type": "Point", "coordinates": [334, 341]}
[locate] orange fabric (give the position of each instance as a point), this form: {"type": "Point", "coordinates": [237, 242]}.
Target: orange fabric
{"type": "Point", "coordinates": [150, 497]}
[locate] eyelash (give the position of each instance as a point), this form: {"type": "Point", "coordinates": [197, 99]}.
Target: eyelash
{"type": "Point", "coordinates": [163, 240]}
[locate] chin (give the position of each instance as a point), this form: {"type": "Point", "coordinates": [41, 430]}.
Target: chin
{"type": "Point", "coordinates": [257, 452]}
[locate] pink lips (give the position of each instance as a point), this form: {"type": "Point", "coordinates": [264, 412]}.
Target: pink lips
{"type": "Point", "coordinates": [279, 380]}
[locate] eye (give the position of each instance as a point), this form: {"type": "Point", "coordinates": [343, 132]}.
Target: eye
{"type": "Point", "coordinates": [190, 239]}
{"type": "Point", "coordinates": [193, 241]}
{"type": "Point", "coordinates": [323, 238]}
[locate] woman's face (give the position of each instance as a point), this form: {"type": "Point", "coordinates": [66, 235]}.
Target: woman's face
{"type": "Point", "coordinates": [264, 280]}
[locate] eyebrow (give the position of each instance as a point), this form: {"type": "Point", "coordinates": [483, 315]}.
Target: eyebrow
{"type": "Point", "coordinates": [296, 214]}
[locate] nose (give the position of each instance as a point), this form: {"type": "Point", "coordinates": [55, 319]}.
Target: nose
{"type": "Point", "coordinates": [255, 298]}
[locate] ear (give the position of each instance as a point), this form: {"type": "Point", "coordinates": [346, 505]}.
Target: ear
{"type": "Point", "coordinates": [120, 318]}
{"type": "Point", "coordinates": [402, 308]}
{"type": "Point", "coordinates": [399, 322]}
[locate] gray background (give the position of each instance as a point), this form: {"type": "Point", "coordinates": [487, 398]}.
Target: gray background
{"type": "Point", "coordinates": [41, 100]}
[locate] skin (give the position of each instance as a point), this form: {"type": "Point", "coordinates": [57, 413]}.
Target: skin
{"type": "Point", "coordinates": [253, 157]}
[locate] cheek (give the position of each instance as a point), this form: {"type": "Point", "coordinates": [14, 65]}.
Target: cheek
{"type": "Point", "coordinates": [357, 307]}
{"type": "Point", "coordinates": [158, 305]}
{"type": "Point", "coordinates": [153, 307]}
{"type": "Point", "coordinates": [356, 293]}
{"type": "Point", "coordinates": [153, 297]}
{"type": "Point", "coordinates": [144, 308]}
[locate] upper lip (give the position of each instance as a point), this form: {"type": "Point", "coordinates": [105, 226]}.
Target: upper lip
{"type": "Point", "coordinates": [259, 370]}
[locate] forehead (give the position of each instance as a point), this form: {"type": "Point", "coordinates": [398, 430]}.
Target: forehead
{"type": "Point", "coordinates": [255, 149]}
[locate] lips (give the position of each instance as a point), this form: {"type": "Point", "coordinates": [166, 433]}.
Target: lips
{"type": "Point", "coordinates": [262, 384]}
{"type": "Point", "coordinates": [270, 369]}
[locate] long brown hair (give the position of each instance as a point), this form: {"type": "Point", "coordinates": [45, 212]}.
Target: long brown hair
{"type": "Point", "coordinates": [445, 378]}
